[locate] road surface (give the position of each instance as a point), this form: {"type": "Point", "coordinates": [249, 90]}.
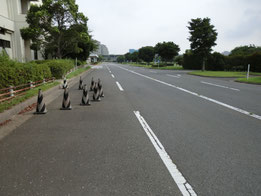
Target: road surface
{"type": "Point", "coordinates": [156, 132]}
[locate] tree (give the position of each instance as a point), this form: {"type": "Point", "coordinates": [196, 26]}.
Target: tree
{"type": "Point", "coordinates": [245, 50]}
{"type": "Point", "coordinates": [59, 29]}
{"type": "Point", "coordinates": [135, 56]}
{"type": "Point", "coordinates": [120, 59]}
{"type": "Point", "coordinates": [127, 56]}
{"type": "Point", "coordinates": [146, 53]}
{"type": "Point", "coordinates": [167, 50]}
{"type": "Point", "coordinates": [203, 37]}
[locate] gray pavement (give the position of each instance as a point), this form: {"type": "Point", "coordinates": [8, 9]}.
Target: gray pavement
{"type": "Point", "coordinates": [103, 150]}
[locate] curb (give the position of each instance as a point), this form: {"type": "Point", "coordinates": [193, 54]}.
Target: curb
{"type": "Point", "coordinates": [49, 96]}
{"type": "Point", "coordinates": [248, 82]}
{"type": "Point", "coordinates": [212, 76]}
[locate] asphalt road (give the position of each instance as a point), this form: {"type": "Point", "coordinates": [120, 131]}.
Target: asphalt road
{"type": "Point", "coordinates": [209, 128]}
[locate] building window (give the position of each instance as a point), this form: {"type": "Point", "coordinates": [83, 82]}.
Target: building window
{"type": "Point", "coordinates": [24, 6]}
{"type": "Point", "coordinates": [2, 31]}
{"type": "Point", "coordinates": [5, 43]}
{"type": "Point", "coordinates": [35, 55]}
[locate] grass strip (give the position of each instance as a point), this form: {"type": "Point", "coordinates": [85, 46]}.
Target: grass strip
{"type": "Point", "coordinates": [218, 73]}
{"type": "Point", "coordinates": [77, 72]}
{"type": "Point", "coordinates": [155, 67]}
{"type": "Point", "coordinates": [252, 80]}
{"type": "Point", "coordinates": [30, 93]}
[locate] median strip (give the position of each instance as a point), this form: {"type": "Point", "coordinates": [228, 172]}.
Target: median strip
{"type": "Point", "coordinates": [184, 187]}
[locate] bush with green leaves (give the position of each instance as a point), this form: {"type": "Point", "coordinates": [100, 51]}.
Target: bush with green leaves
{"type": "Point", "coordinates": [13, 73]}
{"type": "Point", "coordinates": [58, 67]}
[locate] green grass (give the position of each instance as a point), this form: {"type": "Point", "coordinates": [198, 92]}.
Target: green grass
{"type": "Point", "coordinates": [218, 73]}
{"type": "Point", "coordinates": [168, 68]}
{"type": "Point", "coordinates": [155, 67]}
{"type": "Point", "coordinates": [77, 72]}
{"type": "Point", "coordinates": [252, 80]}
{"type": "Point", "coordinates": [30, 93]}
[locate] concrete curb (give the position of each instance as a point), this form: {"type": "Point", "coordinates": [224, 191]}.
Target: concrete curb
{"type": "Point", "coordinates": [49, 96]}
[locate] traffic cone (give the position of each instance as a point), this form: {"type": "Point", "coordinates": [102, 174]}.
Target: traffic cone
{"type": "Point", "coordinates": [80, 84]}
{"type": "Point", "coordinates": [96, 93]}
{"type": "Point", "coordinates": [40, 108]}
{"type": "Point", "coordinates": [65, 85]}
{"type": "Point", "coordinates": [100, 88]}
{"type": "Point", "coordinates": [92, 85]}
{"type": "Point", "coordinates": [85, 96]}
{"type": "Point", "coordinates": [66, 101]}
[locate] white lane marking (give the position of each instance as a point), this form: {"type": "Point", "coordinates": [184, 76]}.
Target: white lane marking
{"type": "Point", "coordinates": [179, 75]}
{"type": "Point", "coordinates": [173, 76]}
{"type": "Point", "coordinates": [234, 89]}
{"type": "Point", "coordinates": [118, 84]}
{"type": "Point", "coordinates": [197, 95]}
{"type": "Point", "coordinates": [177, 176]}
{"type": "Point", "coordinates": [108, 68]}
{"type": "Point", "coordinates": [112, 76]}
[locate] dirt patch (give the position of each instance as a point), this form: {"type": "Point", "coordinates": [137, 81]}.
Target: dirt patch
{"type": "Point", "coordinates": [28, 108]}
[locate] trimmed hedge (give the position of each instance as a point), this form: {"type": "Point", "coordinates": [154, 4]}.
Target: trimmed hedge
{"type": "Point", "coordinates": [58, 67]}
{"type": "Point", "coordinates": [15, 73]}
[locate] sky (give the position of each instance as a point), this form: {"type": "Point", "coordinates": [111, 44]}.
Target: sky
{"type": "Point", "coordinates": [131, 24]}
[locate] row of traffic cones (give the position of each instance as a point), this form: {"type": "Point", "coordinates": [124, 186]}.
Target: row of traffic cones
{"type": "Point", "coordinates": [96, 87]}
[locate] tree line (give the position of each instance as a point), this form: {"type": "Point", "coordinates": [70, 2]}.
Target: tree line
{"type": "Point", "coordinates": [203, 36]}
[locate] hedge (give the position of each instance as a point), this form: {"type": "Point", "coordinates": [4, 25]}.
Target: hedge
{"type": "Point", "coordinates": [15, 73]}
{"type": "Point", "coordinates": [219, 62]}
{"type": "Point", "coordinates": [58, 67]}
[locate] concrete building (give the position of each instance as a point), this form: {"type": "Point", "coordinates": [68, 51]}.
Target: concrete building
{"type": "Point", "coordinates": [102, 49]}
{"type": "Point", "coordinates": [12, 19]}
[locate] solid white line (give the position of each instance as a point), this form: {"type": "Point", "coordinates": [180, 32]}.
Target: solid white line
{"type": "Point", "coordinates": [197, 95]}
{"type": "Point", "coordinates": [220, 86]}
{"type": "Point", "coordinates": [112, 76]}
{"type": "Point", "coordinates": [118, 84]}
{"type": "Point", "coordinates": [173, 76]}
{"type": "Point", "coordinates": [177, 176]}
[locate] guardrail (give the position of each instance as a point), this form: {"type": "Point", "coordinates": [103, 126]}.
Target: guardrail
{"type": "Point", "coordinates": [14, 91]}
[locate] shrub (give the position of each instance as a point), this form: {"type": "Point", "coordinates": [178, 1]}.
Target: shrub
{"type": "Point", "coordinates": [22, 73]}
{"type": "Point", "coordinates": [215, 62]}
{"type": "Point", "coordinates": [58, 67]}
{"type": "Point", "coordinates": [191, 61]}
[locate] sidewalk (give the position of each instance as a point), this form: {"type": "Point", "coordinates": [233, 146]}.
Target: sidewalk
{"type": "Point", "coordinates": [11, 118]}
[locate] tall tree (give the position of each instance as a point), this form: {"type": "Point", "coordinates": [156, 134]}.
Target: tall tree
{"type": "Point", "coordinates": [167, 50]}
{"type": "Point", "coordinates": [203, 37]}
{"type": "Point", "coordinates": [146, 53]}
{"type": "Point", "coordinates": [57, 27]}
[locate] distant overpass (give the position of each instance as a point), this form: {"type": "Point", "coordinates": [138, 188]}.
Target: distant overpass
{"type": "Point", "coordinates": [111, 57]}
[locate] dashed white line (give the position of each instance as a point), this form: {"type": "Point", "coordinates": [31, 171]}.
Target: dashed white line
{"type": "Point", "coordinates": [217, 85]}
{"type": "Point", "coordinates": [112, 76]}
{"type": "Point", "coordinates": [173, 76]}
{"type": "Point", "coordinates": [177, 176]}
{"type": "Point", "coordinates": [119, 86]}
{"type": "Point", "coordinates": [197, 95]}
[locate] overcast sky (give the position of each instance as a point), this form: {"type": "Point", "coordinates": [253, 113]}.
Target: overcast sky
{"type": "Point", "coordinates": [125, 24]}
